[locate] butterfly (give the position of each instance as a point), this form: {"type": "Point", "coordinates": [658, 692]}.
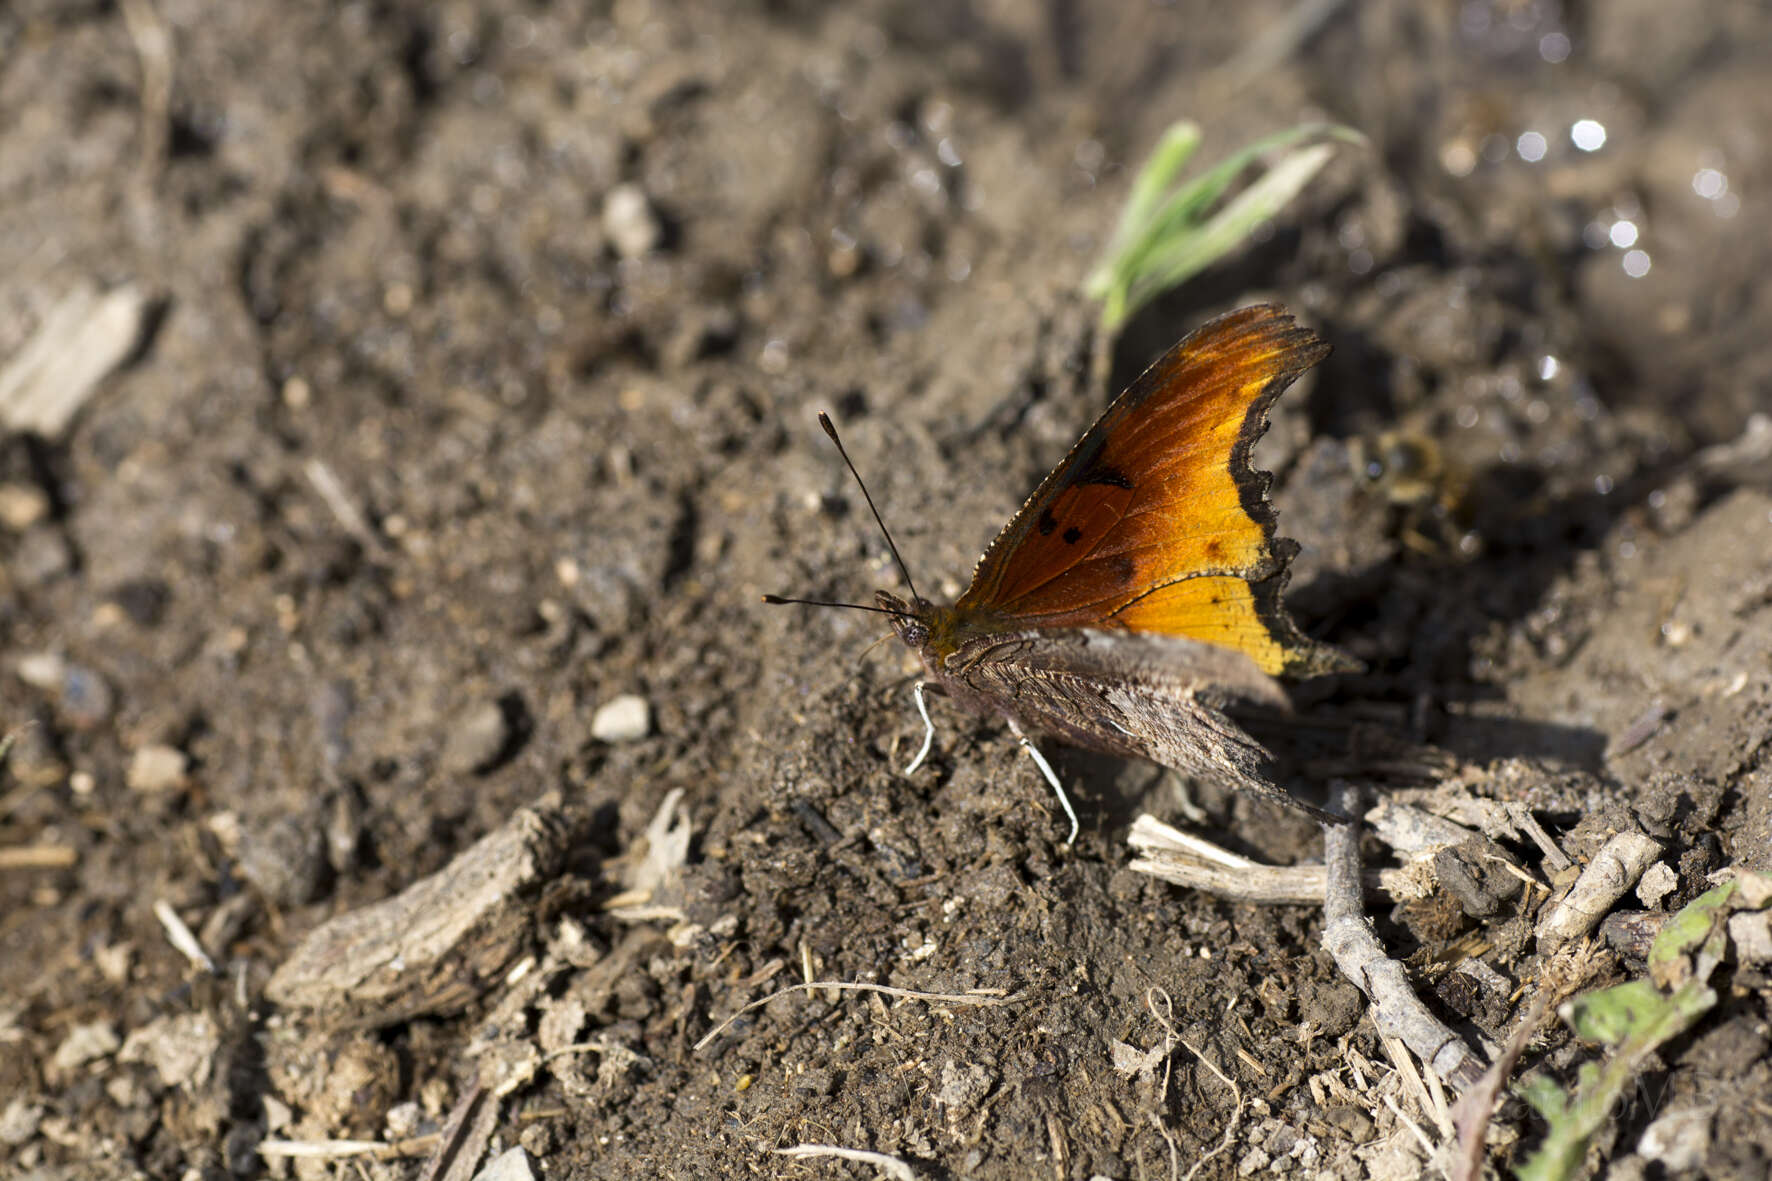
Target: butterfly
{"type": "Point", "coordinates": [1137, 594]}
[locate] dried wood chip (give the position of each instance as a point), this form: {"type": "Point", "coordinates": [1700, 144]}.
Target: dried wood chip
{"type": "Point", "coordinates": [1614, 870]}
{"type": "Point", "coordinates": [440, 942]}
{"type": "Point", "coordinates": [83, 338]}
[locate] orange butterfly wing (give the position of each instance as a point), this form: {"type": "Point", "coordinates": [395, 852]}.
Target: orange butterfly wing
{"type": "Point", "coordinates": [1156, 521]}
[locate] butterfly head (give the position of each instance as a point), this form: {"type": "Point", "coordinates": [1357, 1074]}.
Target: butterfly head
{"type": "Point", "coordinates": [911, 620]}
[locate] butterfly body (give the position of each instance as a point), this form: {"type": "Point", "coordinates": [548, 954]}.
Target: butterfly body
{"type": "Point", "coordinates": [1137, 592]}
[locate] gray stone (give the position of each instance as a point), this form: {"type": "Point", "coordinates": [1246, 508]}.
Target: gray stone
{"type": "Point", "coordinates": [627, 718]}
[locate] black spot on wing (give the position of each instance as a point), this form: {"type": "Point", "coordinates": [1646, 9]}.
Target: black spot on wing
{"type": "Point", "coordinates": [1073, 535]}
{"type": "Point", "coordinates": [1047, 523]}
{"type": "Point", "coordinates": [1104, 474]}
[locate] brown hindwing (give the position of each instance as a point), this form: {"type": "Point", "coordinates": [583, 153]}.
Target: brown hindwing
{"type": "Point", "coordinates": [1150, 696]}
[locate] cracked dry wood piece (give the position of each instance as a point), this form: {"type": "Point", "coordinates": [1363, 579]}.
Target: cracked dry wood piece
{"type": "Point", "coordinates": [1415, 832]}
{"type": "Point", "coordinates": [1614, 870]}
{"type": "Point", "coordinates": [437, 944]}
{"type": "Point", "coordinates": [81, 340]}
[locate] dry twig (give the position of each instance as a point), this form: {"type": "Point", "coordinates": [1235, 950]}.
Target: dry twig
{"type": "Point", "coordinates": [889, 1165]}
{"type": "Point", "coordinates": [432, 947]}
{"type": "Point", "coordinates": [1470, 1115]}
{"type": "Point", "coordinates": [80, 341]}
{"type": "Point", "coordinates": [180, 936]}
{"type": "Point", "coordinates": [464, 1138]}
{"type": "Point", "coordinates": [153, 46]}
{"type": "Point", "coordinates": [1396, 1010]}
{"type": "Point", "coordinates": [1175, 856]}
{"type": "Point", "coordinates": [1614, 869]}
{"type": "Point", "coordinates": [939, 998]}
{"type": "Point", "coordinates": [38, 857]}
{"type": "Point", "coordinates": [344, 1149]}
{"type": "Point", "coordinates": [344, 510]}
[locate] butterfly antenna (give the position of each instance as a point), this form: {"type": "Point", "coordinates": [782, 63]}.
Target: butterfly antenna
{"type": "Point", "coordinates": [780, 600]}
{"type": "Point", "coordinates": [824, 420]}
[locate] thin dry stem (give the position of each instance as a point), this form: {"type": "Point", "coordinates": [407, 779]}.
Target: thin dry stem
{"type": "Point", "coordinates": [939, 998]}
{"type": "Point", "coordinates": [1470, 1115]}
{"type": "Point", "coordinates": [889, 1165]}
{"type": "Point", "coordinates": [181, 938]}
{"type": "Point", "coordinates": [153, 46]}
{"type": "Point", "coordinates": [344, 1149]}
{"type": "Point", "coordinates": [39, 857]}
{"type": "Point", "coordinates": [1175, 856]}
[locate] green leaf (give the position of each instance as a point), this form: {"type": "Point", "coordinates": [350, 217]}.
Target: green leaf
{"type": "Point", "coordinates": [1181, 256]}
{"type": "Point", "coordinates": [1634, 1019]}
{"type": "Point", "coordinates": [1565, 1144]}
{"type": "Point", "coordinates": [1613, 1014]}
{"type": "Point", "coordinates": [1545, 1095]}
{"type": "Point", "coordinates": [1166, 162]}
{"type": "Point", "coordinates": [1162, 241]}
{"type": "Point", "coordinates": [1698, 922]}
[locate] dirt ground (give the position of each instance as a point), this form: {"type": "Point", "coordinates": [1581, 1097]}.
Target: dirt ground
{"type": "Point", "coordinates": [474, 390]}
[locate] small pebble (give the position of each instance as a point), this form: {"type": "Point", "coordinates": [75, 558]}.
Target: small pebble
{"type": "Point", "coordinates": [1254, 1161]}
{"type": "Point", "coordinates": [1751, 933]}
{"type": "Point", "coordinates": [127, 1091]}
{"type": "Point", "coordinates": [1658, 882]}
{"type": "Point", "coordinates": [285, 859]}
{"type": "Point", "coordinates": [86, 699]}
{"type": "Point", "coordinates": [21, 506]}
{"type": "Point", "coordinates": [85, 1043]}
{"type": "Point", "coordinates": [476, 739]}
{"type": "Point", "coordinates": [435, 1095]}
{"type": "Point", "coordinates": [403, 1120]}
{"type": "Point", "coordinates": [42, 670]}
{"type": "Point", "coordinates": [19, 1122]}
{"type": "Point", "coordinates": [344, 829]}
{"type": "Point", "coordinates": [540, 1138]}
{"type": "Point", "coordinates": [182, 1048]}
{"type": "Point", "coordinates": [278, 1114]}
{"type": "Point", "coordinates": [157, 767]}
{"type": "Point", "coordinates": [1678, 1140]}
{"type": "Point", "coordinates": [511, 1165]}
{"type": "Point", "coordinates": [633, 228]}
{"type": "Point", "coordinates": [964, 1087]}
{"type": "Point", "coordinates": [113, 960]}
{"type": "Point", "coordinates": [83, 696]}
{"type": "Point", "coordinates": [628, 718]}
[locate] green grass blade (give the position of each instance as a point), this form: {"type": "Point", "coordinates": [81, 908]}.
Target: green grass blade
{"type": "Point", "coordinates": [1161, 241]}
{"type": "Point", "coordinates": [1186, 255]}
{"type": "Point", "coordinates": [1166, 161]}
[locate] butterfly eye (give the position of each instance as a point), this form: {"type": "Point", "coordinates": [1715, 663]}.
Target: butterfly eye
{"type": "Point", "coordinates": [915, 633]}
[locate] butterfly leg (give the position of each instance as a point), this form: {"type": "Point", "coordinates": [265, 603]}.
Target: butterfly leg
{"type": "Point", "coordinates": [1027, 744]}
{"type": "Point", "coordinates": [928, 729]}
